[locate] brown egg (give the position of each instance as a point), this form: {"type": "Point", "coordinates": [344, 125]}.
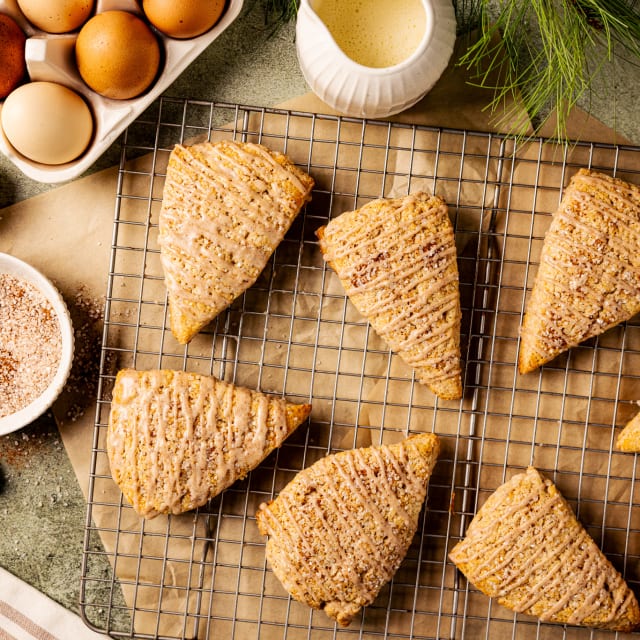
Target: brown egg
{"type": "Point", "coordinates": [56, 16]}
{"type": "Point", "coordinates": [12, 69]}
{"type": "Point", "coordinates": [183, 18]}
{"type": "Point", "coordinates": [117, 55]}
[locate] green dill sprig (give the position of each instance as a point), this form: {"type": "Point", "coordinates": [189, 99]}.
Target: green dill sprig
{"type": "Point", "coordinates": [573, 41]}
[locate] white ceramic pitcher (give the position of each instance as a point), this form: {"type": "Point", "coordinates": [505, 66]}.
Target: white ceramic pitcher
{"type": "Point", "coordinates": [370, 92]}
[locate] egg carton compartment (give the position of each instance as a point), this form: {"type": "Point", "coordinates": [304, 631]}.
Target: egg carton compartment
{"type": "Point", "coordinates": [51, 58]}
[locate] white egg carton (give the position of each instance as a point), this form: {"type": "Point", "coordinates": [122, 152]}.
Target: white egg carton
{"type": "Point", "coordinates": [51, 57]}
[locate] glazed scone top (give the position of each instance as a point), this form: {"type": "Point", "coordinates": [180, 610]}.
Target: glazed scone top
{"type": "Point", "coordinates": [397, 261]}
{"type": "Point", "coordinates": [226, 207]}
{"type": "Point", "coordinates": [526, 548]}
{"type": "Point", "coordinates": [589, 274]}
{"type": "Point", "coordinates": [340, 529]}
{"type": "Point", "coordinates": [176, 439]}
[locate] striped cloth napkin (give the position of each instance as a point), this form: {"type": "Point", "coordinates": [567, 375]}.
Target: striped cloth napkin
{"type": "Point", "coordinates": [28, 614]}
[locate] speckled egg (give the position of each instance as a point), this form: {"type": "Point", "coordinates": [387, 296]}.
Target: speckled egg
{"type": "Point", "coordinates": [183, 18]}
{"type": "Point", "coordinates": [117, 55]}
{"type": "Point", "coordinates": [56, 16]}
{"type": "Point", "coordinates": [13, 68]}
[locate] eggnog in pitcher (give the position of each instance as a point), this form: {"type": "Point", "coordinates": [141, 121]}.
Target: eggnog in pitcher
{"type": "Point", "coordinates": [374, 33]}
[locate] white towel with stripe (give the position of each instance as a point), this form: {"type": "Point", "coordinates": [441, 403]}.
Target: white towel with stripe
{"type": "Point", "coordinates": [28, 614]}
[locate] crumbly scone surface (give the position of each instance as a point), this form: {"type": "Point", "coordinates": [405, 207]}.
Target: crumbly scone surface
{"type": "Point", "coordinates": [226, 206]}
{"type": "Point", "coordinates": [396, 259]}
{"type": "Point", "coordinates": [340, 529]}
{"type": "Point", "coordinates": [177, 439]}
{"type": "Point", "coordinates": [526, 548]}
{"type": "Point", "coordinates": [589, 274]}
{"type": "Point", "coordinates": [629, 438]}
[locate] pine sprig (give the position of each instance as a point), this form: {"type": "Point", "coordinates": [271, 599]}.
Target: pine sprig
{"type": "Point", "coordinates": [279, 12]}
{"type": "Point", "coordinates": [574, 41]}
{"type": "Point", "coordinates": [548, 52]}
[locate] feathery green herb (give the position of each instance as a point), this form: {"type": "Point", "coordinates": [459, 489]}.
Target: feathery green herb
{"type": "Point", "coordinates": [279, 12]}
{"type": "Point", "coordinates": [547, 51]}
{"type": "Point", "coordinates": [573, 42]}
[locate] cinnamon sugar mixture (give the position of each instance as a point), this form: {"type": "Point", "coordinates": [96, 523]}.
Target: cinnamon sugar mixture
{"type": "Point", "coordinates": [30, 343]}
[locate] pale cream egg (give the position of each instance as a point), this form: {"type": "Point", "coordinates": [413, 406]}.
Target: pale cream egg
{"type": "Point", "coordinates": [56, 16]}
{"type": "Point", "coordinates": [47, 122]}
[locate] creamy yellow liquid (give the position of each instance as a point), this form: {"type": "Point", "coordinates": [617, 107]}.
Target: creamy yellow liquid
{"type": "Point", "coordinates": [374, 33]}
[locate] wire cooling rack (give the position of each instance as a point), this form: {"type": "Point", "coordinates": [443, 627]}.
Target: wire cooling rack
{"type": "Point", "coordinates": [204, 574]}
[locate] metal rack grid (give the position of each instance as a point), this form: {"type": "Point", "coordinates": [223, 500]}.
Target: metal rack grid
{"type": "Point", "coordinates": [203, 574]}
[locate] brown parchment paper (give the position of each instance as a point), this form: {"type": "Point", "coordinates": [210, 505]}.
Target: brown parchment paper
{"type": "Point", "coordinates": [164, 565]}
{"type": "Point", "coordinates": [67, 232]}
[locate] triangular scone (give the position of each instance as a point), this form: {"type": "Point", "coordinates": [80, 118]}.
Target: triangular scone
{"type": "Point", "coordinates": [629, 438]}
{"type": "Point", "coordinates": [176, 439]}
{"type": "Point", "coordinates": [526, 548]}
{"type": "Point", "coordinates": [589, 275]}
{"type": "Point", "coordinates": [225, 208]}
{"type": "Point", "coordinates": [340, 529]}
{"type": "Point", "coordinates": [396, 259]}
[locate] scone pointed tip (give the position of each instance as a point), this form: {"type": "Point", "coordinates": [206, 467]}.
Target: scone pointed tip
{"type": "Point", "coordinates": [526, 548]}
{"type": "Point", "coordinates": [396, 259]}
{"type": "Point", "coordinates": [450, 389]}
{"type": "Point", "coordinates": [628, 439]}
{"type": "Point", "coordinates": [340, 529]}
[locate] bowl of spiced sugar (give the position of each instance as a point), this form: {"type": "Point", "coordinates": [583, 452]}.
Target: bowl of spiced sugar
{"type": "Point", "coordinates": [36, 343]}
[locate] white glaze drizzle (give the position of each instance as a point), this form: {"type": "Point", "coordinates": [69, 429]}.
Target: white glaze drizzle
{"type": "Point", "coordinates": [342, 558]}
{"type": "Point", "coordinates": [175, 439]}
{"type": "Point", "coordinates": [580, 247]}
{"type": "Point", "coordinates": [385, 262]}
{"type": "Point", "coordinates": [525, 551]}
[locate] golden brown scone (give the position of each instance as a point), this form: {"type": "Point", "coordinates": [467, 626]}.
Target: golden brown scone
{"type": "Point", "coordinates": [589, 275]}
{"type": "Point", "coordinates": [226, 206]}
{"type": "Point", "coordinates": [175, 440]}
{"type": "Point", "coordinates": [526, 548]}
{"type": "Point", "coordinates": [396, 259]}
{"type": "Point", "coordinates": [629, 438]}
{"type": "Point", "coordinates": [340, 529]}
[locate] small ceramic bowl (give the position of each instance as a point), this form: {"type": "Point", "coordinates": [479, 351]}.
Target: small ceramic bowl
{"type": "Point", "coordinates": [20, 269]}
